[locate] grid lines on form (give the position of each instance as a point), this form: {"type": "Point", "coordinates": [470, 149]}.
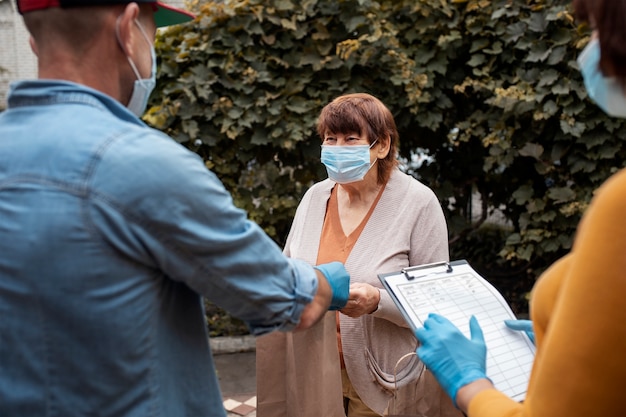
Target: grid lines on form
{"type": "Point", "coordinates": [457, 297]}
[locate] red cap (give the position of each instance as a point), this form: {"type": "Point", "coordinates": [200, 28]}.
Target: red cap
{"type": "Point", "coordinates": [164, 15]}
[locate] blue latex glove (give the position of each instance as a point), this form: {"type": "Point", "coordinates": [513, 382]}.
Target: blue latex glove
{"type": "Point", "coordinates": [339, 281]}
{"type": "Point", "coordinates": [451, 357]}
{"type": "Point", "coordinates": [523, 325]}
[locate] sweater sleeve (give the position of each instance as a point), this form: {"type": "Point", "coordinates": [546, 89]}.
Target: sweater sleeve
{"type": "Point", "coordinates": [387, 310]}
{"type": "Point", "coordinates": [303, 239]}
{"type": "Point", "coordinates": [428, 242]}
{"type": "Point", "coordinates": [494, 403]}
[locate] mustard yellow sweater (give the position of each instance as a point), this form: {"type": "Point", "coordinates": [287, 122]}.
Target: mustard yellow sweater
{"type": "Point", "coordinates": [578, 307]}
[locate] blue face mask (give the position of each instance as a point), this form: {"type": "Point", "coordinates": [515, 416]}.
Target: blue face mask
{"type": "Point", "coordinates": [143, 86]}
{"type": "Point", "coordinates": [607, 93]}
{"type": "Point", "coordinates": [346, 164]}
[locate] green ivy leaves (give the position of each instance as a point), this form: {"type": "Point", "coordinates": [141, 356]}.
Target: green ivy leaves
{"type": "Point", "coordinates": [489, 89]}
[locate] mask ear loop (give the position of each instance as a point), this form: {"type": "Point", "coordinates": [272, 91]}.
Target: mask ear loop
{"type": "Point", "coordinates": [395, 377]}
{"type": "Point", "coordinates": [117, 34]}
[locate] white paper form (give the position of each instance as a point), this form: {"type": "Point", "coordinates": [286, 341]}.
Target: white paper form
{"type": "Point", "coordinates": [456, 291]}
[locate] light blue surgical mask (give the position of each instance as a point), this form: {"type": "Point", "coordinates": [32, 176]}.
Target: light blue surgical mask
{"type": "Point", "coordinates": [606, 92]}
{"type": "Point", "coordinates": [346, 164]}
{"type": "Point", "coordinates": [143, 86]}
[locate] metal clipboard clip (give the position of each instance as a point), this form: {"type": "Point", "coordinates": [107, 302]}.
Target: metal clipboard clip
{"type": "Point", "coordinates": [439, 266]}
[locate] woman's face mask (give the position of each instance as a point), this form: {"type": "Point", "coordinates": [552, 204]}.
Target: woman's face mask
{"type": "Point", "coordinates": [346, 164]}
{"type": "Point", "coordinates": [607, 93]}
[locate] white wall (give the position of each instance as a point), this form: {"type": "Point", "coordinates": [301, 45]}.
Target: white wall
{"type": "Point", "coordinates": [16, 57]}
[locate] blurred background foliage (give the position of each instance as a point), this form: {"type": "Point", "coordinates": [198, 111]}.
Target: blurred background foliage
{"type": "Point", "coordinates": [490, 105]}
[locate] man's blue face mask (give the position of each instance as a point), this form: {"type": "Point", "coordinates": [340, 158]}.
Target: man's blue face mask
{"type": "Point", "coordinates": [143, 86]}
{"type": "Point", "coordinates": [607, 93]}
{"type": "Point", "coordinates": [346, 164]}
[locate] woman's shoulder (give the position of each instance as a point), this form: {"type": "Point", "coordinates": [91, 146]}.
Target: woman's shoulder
{"type": "Point", "coordinates": [321, 187]}
{"type": "Point", "coordinates": [316, 196]}
{"type": "Point", "coordinates": [615, 184]}
{"type": "Point", "coordinates": [406, 184]}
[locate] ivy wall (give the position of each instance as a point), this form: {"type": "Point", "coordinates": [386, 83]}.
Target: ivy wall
{"type": "Point", "coordinates": [488, 91]}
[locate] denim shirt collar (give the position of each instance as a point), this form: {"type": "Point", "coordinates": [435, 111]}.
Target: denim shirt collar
{"type": "Point", "coordinates": [49, 92]}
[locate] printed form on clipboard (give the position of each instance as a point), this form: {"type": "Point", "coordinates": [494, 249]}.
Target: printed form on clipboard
{"type": "Point", "coordinates": [456, 291]}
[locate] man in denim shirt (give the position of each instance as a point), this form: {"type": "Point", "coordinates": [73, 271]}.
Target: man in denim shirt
{"type": "Point", "coordinates": [110, 234]}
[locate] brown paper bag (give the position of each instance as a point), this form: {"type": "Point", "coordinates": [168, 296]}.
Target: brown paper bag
{"type": "Point", "coordinates": [298, 374]}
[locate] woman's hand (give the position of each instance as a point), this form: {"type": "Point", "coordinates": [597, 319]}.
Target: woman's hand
{"type": "Point", "coordinates": [363, 299]}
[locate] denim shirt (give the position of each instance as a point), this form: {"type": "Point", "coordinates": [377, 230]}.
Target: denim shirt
{"type": "Point", "coordinates": [110, 234]}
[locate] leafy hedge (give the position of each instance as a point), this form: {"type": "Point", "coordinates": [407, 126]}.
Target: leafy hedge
{"type": "Point", "coordinates": [489, 90]}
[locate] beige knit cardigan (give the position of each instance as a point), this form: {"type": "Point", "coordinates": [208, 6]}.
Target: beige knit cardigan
{"type": "Point", "coordinates": [298, 374]}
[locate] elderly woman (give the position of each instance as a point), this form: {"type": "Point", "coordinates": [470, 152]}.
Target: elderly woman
{"type": "Point", "coordinates": [376, 219]}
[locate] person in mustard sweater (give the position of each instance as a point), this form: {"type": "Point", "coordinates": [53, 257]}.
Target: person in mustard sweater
{"type": "Point", "coordinates": [577, 308]}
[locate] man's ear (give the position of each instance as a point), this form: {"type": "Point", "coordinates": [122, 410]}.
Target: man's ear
{"type": "Point", "coordinates": [125, 28]}
{"type": "Point", "coordinates": [33, 45]}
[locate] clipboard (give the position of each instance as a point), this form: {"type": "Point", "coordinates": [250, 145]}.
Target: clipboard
{"type": "Point", "coordinates": [456, 291]}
